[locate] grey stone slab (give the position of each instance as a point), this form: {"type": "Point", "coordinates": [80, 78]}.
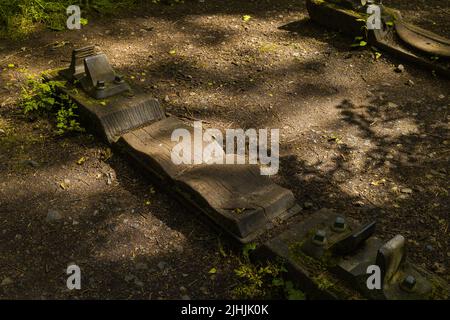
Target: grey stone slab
{"type": "Point", "coordinates": [236, 197]}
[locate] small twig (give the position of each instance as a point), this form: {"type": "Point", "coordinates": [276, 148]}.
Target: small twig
{"type": "Point", "coordinates": [86, 183]}
{"type": "Point", "coordinates": [362, 195]}
{"type": "Point", "coordinates": [193, 119]}
{"type": "Point", "coordinates": [190, 284]}
{"type": "Point", "coordinates": [142, 215]}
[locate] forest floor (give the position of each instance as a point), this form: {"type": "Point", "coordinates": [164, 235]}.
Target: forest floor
{"type": "Point", "coordinates": [356, 137]}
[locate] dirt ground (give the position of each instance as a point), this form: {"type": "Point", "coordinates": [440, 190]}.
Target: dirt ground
{"type": "Point", "coordinates": [356, 137]}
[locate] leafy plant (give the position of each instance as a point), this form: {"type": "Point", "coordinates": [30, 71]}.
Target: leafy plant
{"type": "Point", "coordinates": [258, 282]}
{"type": "Point", "coordinates": [44, 99]}
{"type": "Point", "coordinates": [18, 18]}
{"type": "Point", "coordinates": [377, 55]}
{"type": "Point", "coordinates": [66, 118]}
{"type": "Point", "coordinates": [262, 281]}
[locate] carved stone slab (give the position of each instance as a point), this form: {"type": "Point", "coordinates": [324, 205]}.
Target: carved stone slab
{"type": "Point", "coordinates": [114, 116]}
{"type": "Point", "coordinates": [234, 196]}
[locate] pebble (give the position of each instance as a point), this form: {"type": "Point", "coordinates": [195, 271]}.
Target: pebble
{"type": "Point", "coordinates": [389, 164]}
{"type": "Point", "coordinates": [112, 201]}
{"type": "Point", "coordinates": [31, 163]}
{"type": "Point", "coordinates": [410, 83]}
{"type": "Point", "coordinates": [129, 277]}
{"type": "Point", "coordinates": [179, 248]}
{"type": "Point", "coordinates": [406, 190]}
{"type": "Point", "coordinates": [400, 68]}
{"type": "Point", "coordinates": [53, 215]}
{"type": "Point", "coordinates": [185, 297]}
{"type": "Point", "coordinates": [162, 265]}
{"type": "Point", "coordinates": [358, 203]}
{"type": "Point", "coordinates": [139, 283]}
{"type": "Point", "coordinates": [7, 281]}
{"type": "Point", "coordinates": [141, 266]}
{"type": "Point", "coordinates": [392, 105]}
{"type": "Point", "coordinates": [308, 205]}
{"type": "Point", "coordinates": [109, 178]}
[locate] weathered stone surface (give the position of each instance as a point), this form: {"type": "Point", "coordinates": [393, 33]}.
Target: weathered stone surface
{"type": "Point", "coordinates": [324, 269]}
{"type": "Point", "coordinates": [119, 115]}
{"type": "Point", "coordinates": [337, 16]}
{"type": "Point", "coordinates": [294, 248]}
{"type": "Point", "coordinates": [423, 40]}
{"type": "Point", "coordinates": [110, 118]}
{"type": "Point", "coordinates": [235, 197]}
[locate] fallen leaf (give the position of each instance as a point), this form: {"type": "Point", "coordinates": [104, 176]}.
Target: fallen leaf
{"type": "Point", "coordinates": [81, 161]}
{"type": "Point", "coordinates": [212, 271]}
{"type": "Point", "coordinates": [378, 182]}
{"type": "Point", "coordinates": [221, 250]}
{"type": "Point", "coordinates": [246, 18]}
{"type": "Point", "coordinates": [406, 190]}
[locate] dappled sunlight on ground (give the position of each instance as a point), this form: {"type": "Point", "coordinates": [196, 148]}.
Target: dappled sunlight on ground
{"type": "Point", "coordinates": [356, 137]}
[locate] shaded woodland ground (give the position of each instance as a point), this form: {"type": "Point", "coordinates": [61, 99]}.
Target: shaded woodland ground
{"type": "Point", "coordinates": [356, 137]}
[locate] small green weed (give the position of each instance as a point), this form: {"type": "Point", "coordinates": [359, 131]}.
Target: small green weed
{"type": "Point", "coordinates": [44, 99]}
{"type": "Point", "coordinates": [19, 18]}
{"type": "Point", "coordinates": [263, 281]}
